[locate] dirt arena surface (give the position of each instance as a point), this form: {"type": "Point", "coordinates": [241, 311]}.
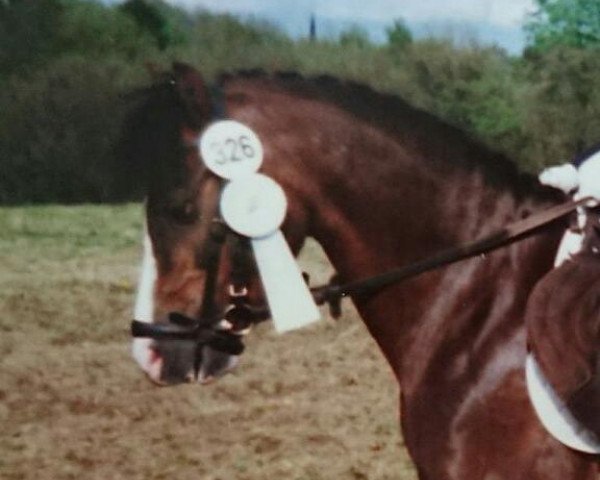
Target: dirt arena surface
{"type": "Point", "coordinates": [320, 403]}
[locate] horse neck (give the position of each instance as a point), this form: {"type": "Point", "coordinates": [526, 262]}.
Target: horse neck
{"type": "Point", "coordinates": [378, 194]}
{"type": "Point", "coordinates": [381, 202]}
{"type": "Point", "coordinates": [372, 221]}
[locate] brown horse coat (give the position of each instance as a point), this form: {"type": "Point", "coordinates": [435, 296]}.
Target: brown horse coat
{"type": "Point", "coordinates": [563, 325]}
{"type": "Point", "coordinates": [378, 184]}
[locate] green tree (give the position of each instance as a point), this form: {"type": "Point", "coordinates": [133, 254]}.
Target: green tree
{"type": "Point", "coordinates": [398, 35]}
{"type": "Point", "coordinates": [354, 36]}
{"type": "Point", "coordinates": [570, 23]}
{"type": "Point", "coordinates": [34, 33]}
{"type": "Point", "coordinates": [28, 33]}
{"type": "Point", "coordinates": [92, 29]}
{"type": "Point", "coordinates": [150, 19]}
{"type": "Point", "coordinates": [219, 42]}
{"type": "Point", "coordinates": [58, 129]}
{"type": "Point", "coordinates": [562, 103]}
{"type": "Point", "coordinates": [475, 88]}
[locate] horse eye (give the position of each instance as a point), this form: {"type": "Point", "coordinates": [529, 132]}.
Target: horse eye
{"type": "Point", "coordinates": [185, 213]}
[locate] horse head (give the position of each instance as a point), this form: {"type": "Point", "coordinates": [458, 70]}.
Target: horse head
{"type": "Point", "coordinates": [184, 234]}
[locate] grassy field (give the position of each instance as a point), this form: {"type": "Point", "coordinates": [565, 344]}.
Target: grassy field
{"type": "Point", "coordinates": [315, 404]}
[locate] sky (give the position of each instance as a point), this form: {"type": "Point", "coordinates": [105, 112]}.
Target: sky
{"type": "Point", "coordinates": [487, 21]}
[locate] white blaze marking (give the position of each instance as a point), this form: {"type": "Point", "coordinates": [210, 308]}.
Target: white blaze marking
{"type": "Point", "coordinates": [554, 415]}
{"type": "Point", "coordinates": [144, 304]}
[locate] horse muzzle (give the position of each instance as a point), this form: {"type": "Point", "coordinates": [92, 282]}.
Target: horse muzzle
{"type": "Point", "coordinates": [174, 362]}
{"type": "Point", "coordinates": [185, 350]}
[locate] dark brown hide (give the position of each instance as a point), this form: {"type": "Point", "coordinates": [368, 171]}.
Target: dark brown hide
{"type": "Point", "coordinates": [379, 184]}
{"type": "Point", "coordinates": [563, 323]}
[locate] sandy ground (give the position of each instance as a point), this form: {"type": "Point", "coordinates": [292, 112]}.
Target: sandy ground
{"type": "Point", "coordinates": [319, 403]}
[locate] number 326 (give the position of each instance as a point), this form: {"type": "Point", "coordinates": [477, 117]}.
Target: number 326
{"type": "Point", "coordinates": [233, 150]}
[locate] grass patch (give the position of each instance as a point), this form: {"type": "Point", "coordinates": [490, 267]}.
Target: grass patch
{"type": "Point", "coordinates": [319, 403]}
{"type": "Point", "coordinates": [67, 232]}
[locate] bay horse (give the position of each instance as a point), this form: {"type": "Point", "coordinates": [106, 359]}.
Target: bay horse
{"type": "Point", "coordinates": [378, 184]}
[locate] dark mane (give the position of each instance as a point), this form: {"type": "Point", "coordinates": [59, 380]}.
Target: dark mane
{"type": "Point", "coordinates": [445, 145]}
{"type": "Point", "coordinates": [149, 132]}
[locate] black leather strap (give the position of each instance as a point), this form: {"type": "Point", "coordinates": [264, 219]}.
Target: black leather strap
{"type": "Point", "coordinates": [332, 293]}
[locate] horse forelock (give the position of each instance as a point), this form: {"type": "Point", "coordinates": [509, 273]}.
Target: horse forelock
{"type": "Point", "coordinates": [150, 140]}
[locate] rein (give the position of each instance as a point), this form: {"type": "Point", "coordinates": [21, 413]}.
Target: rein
{"type": "Point", "coordinates": [333, 293]}
{"type": "Point", "coordinates": [204, 332]}
{"type": "Point", "coordinates": [223, 330]}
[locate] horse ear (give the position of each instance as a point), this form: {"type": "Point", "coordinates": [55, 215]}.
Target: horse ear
{"type": "Point", "coordinates": [193, 92]}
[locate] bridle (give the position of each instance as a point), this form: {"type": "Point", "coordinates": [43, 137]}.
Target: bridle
{"type": "Point", "coordinates": [224, 330]}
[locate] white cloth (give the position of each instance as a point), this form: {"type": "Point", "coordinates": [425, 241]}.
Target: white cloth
{"type": "Point", "coordinates": [564, 177]}
{"type": "Point", "coordinates": [589, 177]}
{"type": "Point", "coordinates": [585, 179]}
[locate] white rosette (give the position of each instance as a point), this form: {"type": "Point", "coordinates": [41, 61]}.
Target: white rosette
{"type": "Point", "coordinates": [255, 206]}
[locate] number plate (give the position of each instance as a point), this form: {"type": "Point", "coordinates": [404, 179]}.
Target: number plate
{"type": "Point", "coordinates": [231, 149]}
